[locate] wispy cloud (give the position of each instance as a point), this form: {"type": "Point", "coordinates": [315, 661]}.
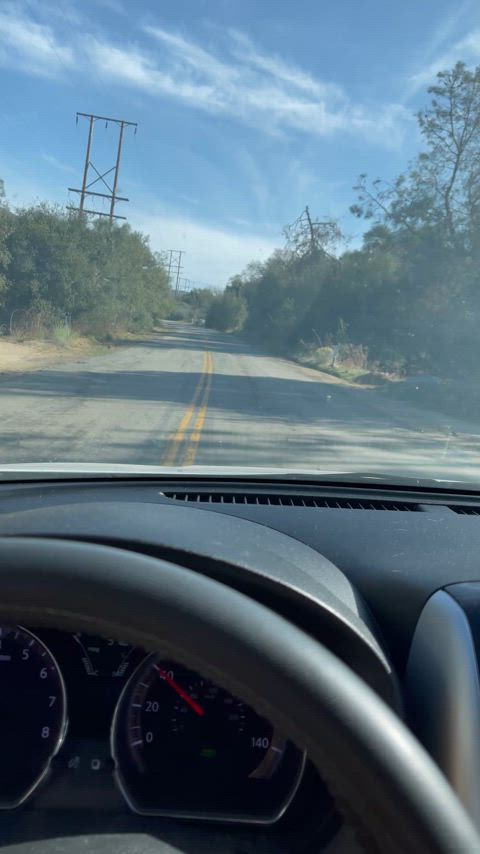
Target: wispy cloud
{"type": "Point", "coordinates": [236, 78]}
{"type": "Point", "coordinates": [449, 28]}
{"type": "Point", "coordinates": [57, 164]}
{"type": "Point", "coordinates": [455, 38]}
{"type": "Point", "coordinates": [467, 50]}
{"type": "Point", "coordinates": [31, 46]}
{"type": "Point", "coordinates": [246, 52]}
{"type": "Point", "coordinates": [253, 87]}
{"type": "Point", "coordinates": [132, 67]}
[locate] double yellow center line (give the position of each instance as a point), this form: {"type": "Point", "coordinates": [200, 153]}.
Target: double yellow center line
{"type": "Point", "coordinates": [182, 445]}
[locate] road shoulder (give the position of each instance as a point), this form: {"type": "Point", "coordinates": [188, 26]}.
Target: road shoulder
{"type": "Point", "coordinates": [34, 355]}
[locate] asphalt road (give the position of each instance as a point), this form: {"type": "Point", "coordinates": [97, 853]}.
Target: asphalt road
{"type": "Point", "coordinates": [189, 396]}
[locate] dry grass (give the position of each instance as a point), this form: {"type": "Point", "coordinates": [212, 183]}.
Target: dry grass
{"type": "Point", "coordinates": [33, 355]}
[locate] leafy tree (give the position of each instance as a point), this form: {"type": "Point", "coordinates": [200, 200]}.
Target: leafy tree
{"type": "Point", "coordinates": [227, 312]}
{"type": "Point", "coordinates": [410, 296]}
{"type": "Point", "coordinates": [6, 225]}
{"type": "Point", "coordinates": [451, 129]}
{"type": "Point", "coordinates": [308, 236]}
{"type": "Point", "coordinates": [441, 189]}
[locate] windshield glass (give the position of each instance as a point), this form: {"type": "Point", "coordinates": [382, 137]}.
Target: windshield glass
{"type": "Point", "coordinates": [241, 234]}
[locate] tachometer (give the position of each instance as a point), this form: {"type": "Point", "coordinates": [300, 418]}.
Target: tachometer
{"type": "Point", "coordinates": [32, 713]}
{"type": "Point", "coordinates": [95, 671]}
{"type": "Point", "coordinates": [184, 746]}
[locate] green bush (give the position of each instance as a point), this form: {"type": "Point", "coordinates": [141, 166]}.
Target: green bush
{"type": "Point", "coordinates": [54, 264]}
{"type": "Point", "coordinates": [227, 312]}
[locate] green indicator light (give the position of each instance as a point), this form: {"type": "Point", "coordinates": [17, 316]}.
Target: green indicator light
{"type": "Point", "coordinates": [208, 753]}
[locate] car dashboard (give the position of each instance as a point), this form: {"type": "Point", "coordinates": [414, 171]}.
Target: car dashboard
{"type": "Point", "coordinates": [108, 726]}
{"type": "Point", "coordinates": [103, 732]}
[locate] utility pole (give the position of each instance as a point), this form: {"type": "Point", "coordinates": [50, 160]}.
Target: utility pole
{"type": "Point", "coordinates": [87, 163]}
{"type": "Point", "coordinates": [89, 167]}
{"type": "Point", "coordinates": [117, 167]}
{"type": "Point", "coordinates": [175, 267]}
{"type": "Point", "coordinates": [179, 267]}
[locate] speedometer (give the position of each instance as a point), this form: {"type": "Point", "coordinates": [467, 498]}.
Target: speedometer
{"type": "Point", "coordinates": [32, 713]}
{"type": "Point", "coordinates": [184, 746]}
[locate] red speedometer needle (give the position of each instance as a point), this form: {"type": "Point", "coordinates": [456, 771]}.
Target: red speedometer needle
{"type": "Point", "coordinates": [181, 693]}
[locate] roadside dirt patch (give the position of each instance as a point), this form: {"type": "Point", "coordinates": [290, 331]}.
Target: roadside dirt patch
{"type": "Point", "coordinates": [32, 355]}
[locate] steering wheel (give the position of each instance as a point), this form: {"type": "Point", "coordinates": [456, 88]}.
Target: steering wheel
{"type": "Point", "coordinates": [367, 757]}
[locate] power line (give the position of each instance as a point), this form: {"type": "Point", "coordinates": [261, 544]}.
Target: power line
{"type": "Point", "coordinates": [90, 168]}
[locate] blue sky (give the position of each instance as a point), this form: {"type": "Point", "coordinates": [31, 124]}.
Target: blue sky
{"type": "Point", "coordinates": [247, 110]}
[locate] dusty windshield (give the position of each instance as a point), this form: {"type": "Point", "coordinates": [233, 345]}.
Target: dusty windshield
{"type": "Point", "coordinates": [241, 234]}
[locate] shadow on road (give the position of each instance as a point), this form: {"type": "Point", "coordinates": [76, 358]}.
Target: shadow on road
{"type": "Point", "coordinates": [326, 446]}
{"type": "Point", "coordinates": [265, 397]}
{"type": "Point", "coordinates": [193, 338]}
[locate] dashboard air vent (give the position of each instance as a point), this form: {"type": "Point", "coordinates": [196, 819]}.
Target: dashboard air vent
{"type": "Point", "coordinates": [465, 510]}
{"type": "Point", "coordinates": [275, 500]}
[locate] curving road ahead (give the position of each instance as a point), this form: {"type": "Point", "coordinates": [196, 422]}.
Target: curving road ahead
{"type": "Point", "coordinates": [190, 396]}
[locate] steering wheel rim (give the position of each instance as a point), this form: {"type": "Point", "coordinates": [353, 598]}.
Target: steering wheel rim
{"type": "Point", "coordinates": [364, 753]}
